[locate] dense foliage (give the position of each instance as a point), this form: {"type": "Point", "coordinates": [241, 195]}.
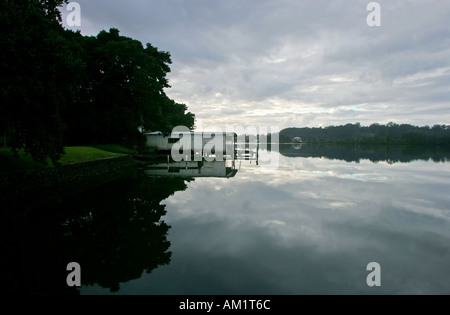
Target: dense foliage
{"type": "Point", "coordinates": [60, 88]}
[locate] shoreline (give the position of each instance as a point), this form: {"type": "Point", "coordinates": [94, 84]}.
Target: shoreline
{"type": "Point", "coordinates": [75, 177]}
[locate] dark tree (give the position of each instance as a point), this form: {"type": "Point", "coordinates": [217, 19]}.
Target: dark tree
{"type": "Point", "coordinates": [122, 92]}
{"type": "Point", "coordinates": [59, 88]}
{"type": "Point", "coordinates": [36, 67]}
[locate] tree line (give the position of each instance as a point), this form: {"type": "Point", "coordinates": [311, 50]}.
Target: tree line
{"type": "Point", "coordinates": [59, 88]}
{"type": "Point", "coordinates": [390, 133]}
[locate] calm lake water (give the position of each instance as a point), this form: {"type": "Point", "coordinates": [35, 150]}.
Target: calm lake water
{"type": "Point", "coordinates": [311, 226]}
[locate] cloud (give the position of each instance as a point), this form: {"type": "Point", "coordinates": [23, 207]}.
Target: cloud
{"type": "Point", "coordinates": [294, 63]}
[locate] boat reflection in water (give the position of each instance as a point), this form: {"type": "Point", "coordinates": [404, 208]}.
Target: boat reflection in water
{"type": "Point", "coordinates": [188, 169]}
{"type": "Point", "coordinates": [200, 159]}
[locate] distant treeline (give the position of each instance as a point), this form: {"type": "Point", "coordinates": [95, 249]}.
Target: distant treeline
{"type": "Point", "coordinates": [390, 133]}
{"type": "Point", "coordinates": [374, 153]}
{"type": "Point", "coordinates": [60, 88]}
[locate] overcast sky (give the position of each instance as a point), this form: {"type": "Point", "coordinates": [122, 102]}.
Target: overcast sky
{"type": "Point", "coordinates": [294, 62]}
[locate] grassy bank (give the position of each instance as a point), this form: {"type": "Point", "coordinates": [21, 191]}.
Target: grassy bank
{"type": "Point", "coordinates": [73, 155]}
{"type": "Point", "coordinates": [83, 154]}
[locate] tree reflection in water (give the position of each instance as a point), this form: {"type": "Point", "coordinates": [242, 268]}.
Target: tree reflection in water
{"type": "Point", "coordinates": [115, 232]}
{"type": "Point", "coordinates": [374, 153]}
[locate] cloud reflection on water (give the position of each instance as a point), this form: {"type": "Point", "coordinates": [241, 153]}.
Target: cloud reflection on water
{"type": "Point", "coordinates": [312, 226]}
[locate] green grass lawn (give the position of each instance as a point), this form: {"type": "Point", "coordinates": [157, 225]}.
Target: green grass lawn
{"type": "Point", "coordinates": [84, 154]}
{"type": "Point", "coordinates": [115, 148]}
{"type": "Point", "coordinates": [73, 155]}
